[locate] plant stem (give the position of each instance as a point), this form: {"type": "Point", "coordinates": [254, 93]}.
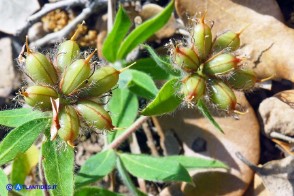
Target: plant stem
{"type": "Point", "coordinates": [114, 144]}
{"type": "Point", "coordinates": [125, 177]}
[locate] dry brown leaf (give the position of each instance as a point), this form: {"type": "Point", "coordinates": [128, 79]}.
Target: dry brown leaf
{"type": "Point", "coordinates": [277, 175]}
{"type": "Point", "coordinates": [257, 188]}
{"type": "Point", "coordinates": [287, 148]}
{"type": "Point", "coordinates": [267, 40]}
{"type": "Point", "coordinates": [201, 138]}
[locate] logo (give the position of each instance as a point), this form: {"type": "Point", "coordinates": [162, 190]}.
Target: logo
{"type": "Point", "coordinates": [18, 187]}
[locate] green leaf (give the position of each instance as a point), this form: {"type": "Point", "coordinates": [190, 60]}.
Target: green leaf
{"type": "Point", "coordinates": [144, 31]}
{"type": "Point", "coordinates": [96, 167]}
{"type": "Point", "coordinates": [166, 100]}
{"type": "Point", "coordinates": [31, 192]}
{"type": "Point", "coordinates": [94, 191]}
{"type": "Point", "coordinates": [204, 110]}
{"type": "Point", "coordinates": [23, 164]}
{"type": "Point", "coordinates": [3, 183]}
{"type": "Point", "coordinates": [120, 28]}
{"type": "Point", "coordinates": [124, 109]}
{"type": "Point", "coordinates": [163, 63]}
{"type": "Point", "coordinates": [196, 162]}
{"type": "Point", "coordinates": [17, 117]}
{"type": "Point", "coordinates": [58, 164]}
{"type": "Point", "coordinates": [20, 139]}
{"type": "Point", "coordinates": [154, 168]}
{"type": "Point", "coordinates": [125, 177]}
{"type": "Point", "coordinates": [149, 66]}
{"type": "Point", "coordinates": [139, 83]}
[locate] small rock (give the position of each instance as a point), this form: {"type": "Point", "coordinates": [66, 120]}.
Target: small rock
{"type": "Point", "coordinates": [14, 14]}
{"type": "Point", "coordinates": [277, 116]}
{"type": "Point", "coordinates": [7, 73]}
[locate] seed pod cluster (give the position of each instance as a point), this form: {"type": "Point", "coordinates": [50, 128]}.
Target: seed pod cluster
{"type": "Point", "coordinates": [210, 67]}
{"type": "Point", "coordinates": [75, 82]}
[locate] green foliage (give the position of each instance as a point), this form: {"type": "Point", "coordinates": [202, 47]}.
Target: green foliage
{"type": "Point", "coordinates": [167, 100]}
{"type": "Point", "coordinates": [3, 183]}
{"type": "Point", "coordinates": [204, 110]}
{"type": "Point", "coordinates": [163, 63]}
{"type": "Point", "coordinates": [144, 31]}
{"type": "Point", "coordinates": [195, 162]}
{"type": "Point", "coordinates": [94, 191]}
{"type": "Point", "coordinates": [17, 117]}
{"type": "Point", "coordinates": [95, 168]}
{"type": "Point", "coordinates": [58, 165]}
{"type": "Point", "coordinates": [120, 28]}
{"type": "Point", "coordinates": [124, 109]}
{"type": "Point", "coordinates": [150, 67]}
{"type": "Point", "coordinates": [154, 168]}
{"type": "Point", "coordinates": [23, 164]}
{"type": "Point", "coordinates": [139, 83]}
{"type": "Point", "coordinates": [20, 139]}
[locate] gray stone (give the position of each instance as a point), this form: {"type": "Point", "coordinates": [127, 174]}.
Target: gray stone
{"type": "Point", "coordinates": [7, 73]}
{"type": "Point", "coordinates": [277, 116]}
{"type": "Point", "coordinates": [14, 14]}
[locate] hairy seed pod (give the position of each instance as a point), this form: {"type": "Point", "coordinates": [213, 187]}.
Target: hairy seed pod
{"type": "Point", "coordinates": [95, 115]}
{"type": "Point", "coordinates": [186, 58]}
{"type": "Point", "coordinates": [39, 69]}
{"type": "Point", "coordinates": [221, 64]}
{"type": "Point", "coordinates": [193, 88]}
{"type": "Point", "coordinates": [228, 40]}
{"type": "Point", "coordinates": [75, 75]}
{"type": "Point", "coordinates": [202, 39]}
{"type": "Point", "coordinates": [67, 53]}
{"type": "Point", "coordinates": [242, 79]}
{"type": "Point", "coordinates": [102, 81]}
{"type": "Point", "coordinates": [69, 124]}
{"type": "Point", "coordinates": [221, 95]}
{"type": "Point", "coordinates": [39, 96]}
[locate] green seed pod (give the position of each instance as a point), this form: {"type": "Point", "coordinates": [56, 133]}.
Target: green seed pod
{"type": "Point", "coordinates": [242, 79]}
{"type": "Point", "coordinates": [39, 96]}
{"type": "Point", "coordinates": [202, 39]}
{"type": "Point", "coordinates": [67, 53]}
{"type": "Point", "coordinates": [39, 68]}
{"type": "Point", "coordinates": [193, 88]}
{"type": "Point", "coordinates": [222, 96]}
{"type": "Point", "coordinates": [69, 125]}
{"type": "Point", "coordinates": [102, 81]}
{"type": "Point", "coordinates": [75, 75]}
{"type": "Point", "coordinates": [221, 64]}
{"type": "Point", "coordinates": [186, 58]}
{"type": "Point", "coordinates": [95, 115]}
{"type": "Point", "coordinates": [229, 40]}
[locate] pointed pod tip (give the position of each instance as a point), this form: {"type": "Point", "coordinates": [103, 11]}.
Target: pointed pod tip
{"type": "Point", "coordinates": [70, 143]}
{"type": "Point", "coordinates": [242, 30]}
{"type": "Point", "coordinates": [127, 67]}
{"type": "Point", "coordinates": [78, 31]}
{"type": "Point", "coordinates": [29, 51]}
{"type": "Point", "coordinates": [202, 19]}
{"type": "Point", "coordinates": [87, 60]}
